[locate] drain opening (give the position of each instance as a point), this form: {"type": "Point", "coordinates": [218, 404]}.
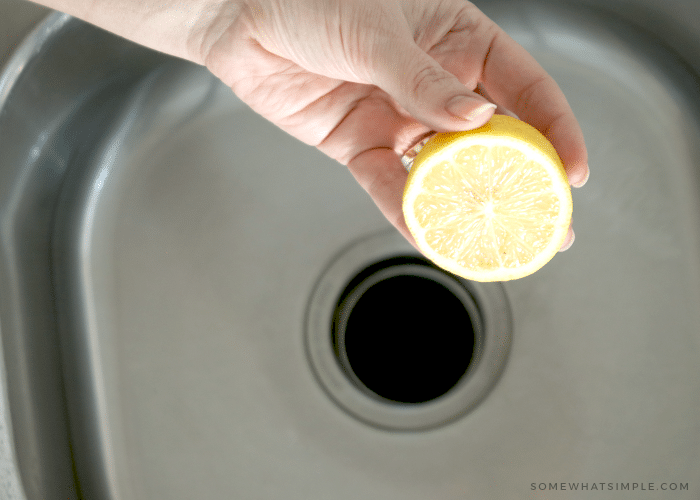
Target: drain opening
{"type": "Point", "coordinates": [403, 331]}
{"type": "Point", "coordinates": [374, 350]}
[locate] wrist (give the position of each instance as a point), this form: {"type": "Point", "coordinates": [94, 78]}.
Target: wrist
{"type": "Point", "coordinates": [182, 28]}
{"type": "Point", "coordinates": [212, 23]}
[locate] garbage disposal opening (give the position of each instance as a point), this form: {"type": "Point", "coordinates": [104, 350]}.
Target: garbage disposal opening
{"type": "Point", "coordinates": [400, 344]}
{"type": "Point", "coordinates": [403, 331]}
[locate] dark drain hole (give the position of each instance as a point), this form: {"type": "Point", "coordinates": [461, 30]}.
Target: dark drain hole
{"type": "Point", "coordinates": [408, 339]}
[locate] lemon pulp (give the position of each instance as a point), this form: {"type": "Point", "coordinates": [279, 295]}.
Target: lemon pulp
{"type": "Point", "coordinates": [490, 204]}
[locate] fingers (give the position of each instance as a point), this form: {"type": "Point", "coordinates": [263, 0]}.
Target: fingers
{"type": "Point", "coordinates": [569, 240]}
{"type": "Point", "coordinates": [428, 92]}
{"type": "Point", "coordinates": [511, 78]}
{"type": "Point", "coordinates": [380, 173]}
{"type": "Point", "coordinates": [514, 79]}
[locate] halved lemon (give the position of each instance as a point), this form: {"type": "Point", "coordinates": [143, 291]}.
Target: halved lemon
{"type": "Point", "coordinates": [489, 204]}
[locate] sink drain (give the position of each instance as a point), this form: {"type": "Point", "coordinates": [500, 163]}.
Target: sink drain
{"type": "Point", "coordinates": [405, 355]}
{"type": "Point", "coordinates": [401, 344]}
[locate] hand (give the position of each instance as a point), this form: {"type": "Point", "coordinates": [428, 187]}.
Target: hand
{"type": "Point", "coordinates": [364, 80]}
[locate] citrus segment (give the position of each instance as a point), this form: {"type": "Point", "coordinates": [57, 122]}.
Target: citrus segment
{"type": "Point", "coordinates": [490, 204]}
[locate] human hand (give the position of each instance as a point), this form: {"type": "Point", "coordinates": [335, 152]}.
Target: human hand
{"type": "Point", "coordinates": [364, 80]}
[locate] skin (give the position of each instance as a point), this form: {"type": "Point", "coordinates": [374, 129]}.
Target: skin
{"type": "Point", "coordinates": [361, 80]}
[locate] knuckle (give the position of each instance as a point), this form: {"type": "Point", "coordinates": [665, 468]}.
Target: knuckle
{"type": "Point", "coordinates": [428, 77]}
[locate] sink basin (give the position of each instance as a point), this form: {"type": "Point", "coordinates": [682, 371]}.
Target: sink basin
{"type": "Point", "coordinates": [179, 278]}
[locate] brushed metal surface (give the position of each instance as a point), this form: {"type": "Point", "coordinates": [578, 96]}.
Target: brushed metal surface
{"type": "Point", "coordinates": [159, 243]}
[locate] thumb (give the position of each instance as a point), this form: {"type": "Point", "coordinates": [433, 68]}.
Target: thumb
{"type": "Point", "coordinates": [432, 95]}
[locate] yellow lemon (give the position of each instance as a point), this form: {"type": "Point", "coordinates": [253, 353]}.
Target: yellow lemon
{"type": "Point", "coordinates": [490, 204]}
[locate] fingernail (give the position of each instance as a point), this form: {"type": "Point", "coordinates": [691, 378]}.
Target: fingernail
{"type": "Point", "coordinates": [460, 105]}
{"type": "Point", "coordinates": [585, 179]}
{"type": "Point", "coordinates": [571, 242]}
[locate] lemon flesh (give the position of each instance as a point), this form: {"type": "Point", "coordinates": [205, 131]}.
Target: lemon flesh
{"type": "Point", "coordinates": [490, 204]}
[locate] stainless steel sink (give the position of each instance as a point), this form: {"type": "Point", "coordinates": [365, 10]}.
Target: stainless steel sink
{"type": "Point", "coordinates": [176, 276]}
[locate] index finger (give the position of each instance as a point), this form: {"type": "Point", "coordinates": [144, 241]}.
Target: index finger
{"type": "Point", "coordinates": [515, 80]}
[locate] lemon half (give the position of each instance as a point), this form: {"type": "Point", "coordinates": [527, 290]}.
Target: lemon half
{"type": "Point", "coordinates": [489, 204]}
